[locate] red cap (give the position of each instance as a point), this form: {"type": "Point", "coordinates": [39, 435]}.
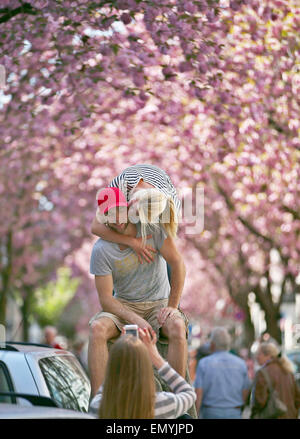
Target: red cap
{"type": "Point", "coordinates": [110, 197]}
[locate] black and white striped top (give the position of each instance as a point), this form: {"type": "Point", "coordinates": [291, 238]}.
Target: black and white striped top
{"type": "Point", "coordinates": [168, 405]}
{"type": "Point", "coordinates": [151, 174]}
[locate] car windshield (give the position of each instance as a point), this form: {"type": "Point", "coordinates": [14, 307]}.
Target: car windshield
{"type": "Point", "coordinates": [67, 385]}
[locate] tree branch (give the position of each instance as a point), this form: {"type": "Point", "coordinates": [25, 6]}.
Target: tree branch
{"type": "Point", "coordinates": [252, 229]}
{"type": "Point", "coordinates": [246, 223]}
{"type": "Point", "coordinates": [282, 292]}
{"type": "Point", "coordinates": [7, 14]}
{"type": "Point", "coordinates": [250, 226]}
{"type": "Point", "coordinates": [288, 209]}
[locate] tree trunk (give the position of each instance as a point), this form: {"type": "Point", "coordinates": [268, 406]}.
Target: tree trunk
{"type": "Point", "coordinates": [272, 320]}
{"type": "Point", "coordinates": [26, 313]}
{"type": "Point", "coordinates": [241, 299]}
{"type": "Point", "coordinates": [249, 331]}
{"type": "Point", "coordinates": [6, 275]}
{"type": "Point", "coordinates": [264, 298]}
{"type": "Point", "coordinates": [3, 306]}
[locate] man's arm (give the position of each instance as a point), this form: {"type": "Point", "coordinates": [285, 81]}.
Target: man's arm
{"type": "Point", "coordinates": [174, 259]}
{"type": "Point", "coordinates": [104, 285]}
{"type": "Point", "coordinates": [106, 233]}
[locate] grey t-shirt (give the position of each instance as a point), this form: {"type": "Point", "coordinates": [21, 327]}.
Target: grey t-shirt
{"type": "Point", "coordinates": [132, 280]}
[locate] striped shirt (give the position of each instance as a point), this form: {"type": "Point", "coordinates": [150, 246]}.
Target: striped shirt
{"type": "Point", "coordinates": [168, 405]}
{"type": "Point", "coordinates": [151, 174]}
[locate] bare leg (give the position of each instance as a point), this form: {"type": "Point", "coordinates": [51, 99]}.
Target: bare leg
{"type": "Point", "coordinates": [174, 329]}
{"type": "Point", "coordinates": [101, 331]}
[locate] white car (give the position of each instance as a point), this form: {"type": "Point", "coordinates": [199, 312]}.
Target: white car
{"type": "Point", "coordinates": [37, 374]}
{"type": "Point", "coordinates": [13, 411]}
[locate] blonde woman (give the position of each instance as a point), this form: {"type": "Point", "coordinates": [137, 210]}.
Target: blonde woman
{"type": "Point", "coordinates": [129, 392]}
{"type": "Point", "coordinates": [280, 371]}
{"type": "Point", "coordinates": [152, 200]}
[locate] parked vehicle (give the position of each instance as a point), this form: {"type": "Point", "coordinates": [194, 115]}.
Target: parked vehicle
{"type": "Point", "coordinates": [32, 369]}
{"type": "Point", "coordinates": [14, 411]}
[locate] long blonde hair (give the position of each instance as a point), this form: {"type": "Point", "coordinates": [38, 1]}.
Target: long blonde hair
{"type": "Point", "coordinates": [129, 386]}
{"type": "Point", "coordinates": [270, 349]}
{"type": "Point", "coordinates": [155, 209]}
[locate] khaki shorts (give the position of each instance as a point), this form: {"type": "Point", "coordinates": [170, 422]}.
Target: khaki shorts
{"type": "Point", "coordinates": [148, 311]}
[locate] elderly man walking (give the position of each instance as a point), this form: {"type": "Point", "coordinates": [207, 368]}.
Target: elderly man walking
{"type": "Point", "coordinates": [222, 383]}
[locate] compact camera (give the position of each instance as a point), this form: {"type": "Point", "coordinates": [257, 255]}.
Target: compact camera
{"type": "Point", "coordinates": [131, 330]}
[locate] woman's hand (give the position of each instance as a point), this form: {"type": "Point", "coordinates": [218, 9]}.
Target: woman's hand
{"type": "Point", "coordinates": [143, 252]}
{"type": "Point", "coordinates": [148, 337]}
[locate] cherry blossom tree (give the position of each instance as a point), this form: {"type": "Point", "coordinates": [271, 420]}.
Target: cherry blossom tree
{"type": "Point", "coordinates": [255, 133]}
{"type": "Point", "coordinates": [207, 90]}
{"type": "Point", "coordinates": [71, 67]}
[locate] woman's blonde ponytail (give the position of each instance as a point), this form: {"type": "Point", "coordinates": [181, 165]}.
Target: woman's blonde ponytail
{"type": "Point", "coordinates": [273, 351]}
{"type": "Point", "coordinates": [171, 223]}
{"type": "Point", "coordinates": [155, 209]}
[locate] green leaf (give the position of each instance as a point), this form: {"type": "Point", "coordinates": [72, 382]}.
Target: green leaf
{"type": "Point", "coordinates": [51, 299]}
{"type": "Point", "coordinates": [115, 48]}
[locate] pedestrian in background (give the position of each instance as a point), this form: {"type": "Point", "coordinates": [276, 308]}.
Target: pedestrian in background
{"type": "Point", "coordinates": [194, 356]}
{"type": "Point", "coordinates": [281, 375]}
{"type": "Point", "coordinates": [52, 338]}
{"type": "Point", "coordinates": [222, 383]}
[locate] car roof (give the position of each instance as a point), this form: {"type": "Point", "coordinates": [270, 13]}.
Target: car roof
{"type": "Point", "coordinates": [31, 347]}
{"type": "Point", "coordinates": [14, 411]}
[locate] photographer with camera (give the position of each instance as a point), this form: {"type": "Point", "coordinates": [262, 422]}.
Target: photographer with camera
{"type": "Point", "coordinates": [130, 379]}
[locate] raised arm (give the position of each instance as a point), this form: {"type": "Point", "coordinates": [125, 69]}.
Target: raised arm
{"type": "Point", "coordinates": [110, 235]}
{"type": "Point", "coordinates": [106, 233]}
{"type": "Point", "coordinates": [168, 405]}
{"type": "Point", "coordinates": [184, 395]}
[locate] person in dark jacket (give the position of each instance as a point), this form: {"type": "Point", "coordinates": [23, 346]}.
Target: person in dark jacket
{"type": "Point", "coordinates": [280, 371]}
